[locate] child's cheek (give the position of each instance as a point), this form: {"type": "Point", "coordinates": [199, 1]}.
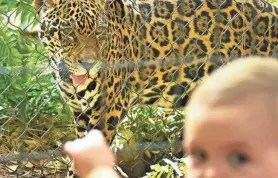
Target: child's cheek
{"type": "Point", "coordinates": [194, 173]}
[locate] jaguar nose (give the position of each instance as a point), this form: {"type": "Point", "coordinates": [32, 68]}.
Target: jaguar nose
{"type": "Point", "coordinates": [87, 65]}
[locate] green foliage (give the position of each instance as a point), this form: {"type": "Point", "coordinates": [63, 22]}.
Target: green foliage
{"type": "Point", "coordinates": [27, 88]}
{"type": "Point", "coordinates": [273, 1]}
{"type": "Point", "coordinates": [146, 124]}
{"type": "Point", "coordinates": [21, 8]}
{"type": "Point", "coordinates": [149, 124]}
{"type": "Point", "coordinates": [168, 169]}
{"type": "Point", "coordinates": [154, 124]}
{"type": "Point", "coordinates": [30, 104]}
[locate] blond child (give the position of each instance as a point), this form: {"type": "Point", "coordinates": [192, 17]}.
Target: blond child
{"type": "Point", "coordinates": [232, 123]}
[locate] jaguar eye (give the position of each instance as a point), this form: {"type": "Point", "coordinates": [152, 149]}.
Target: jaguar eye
{"type": "Point", "coordinates": [68, 31]}
{"type": "Point", "coordinates": [68, 37]}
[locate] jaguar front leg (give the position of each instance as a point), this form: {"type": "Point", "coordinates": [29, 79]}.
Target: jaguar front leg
{"type": "Point", "coordinates": [103, 106]}
{"type": "Point", "coordinates": [105, 122]}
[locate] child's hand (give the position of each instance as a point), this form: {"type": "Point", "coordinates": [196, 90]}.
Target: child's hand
{"type": "Point", "coordinates": [90, 153]}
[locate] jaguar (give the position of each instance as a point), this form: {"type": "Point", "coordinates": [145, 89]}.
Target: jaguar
{"type": "Point", "coordinates": [110, 55]}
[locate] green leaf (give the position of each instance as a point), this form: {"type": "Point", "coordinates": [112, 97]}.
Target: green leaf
{"type": "Point", "coordinates": [174, 166]}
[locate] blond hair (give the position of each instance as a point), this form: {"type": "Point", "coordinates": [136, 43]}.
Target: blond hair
{"type": "Point", "coordinates": [245, 77]}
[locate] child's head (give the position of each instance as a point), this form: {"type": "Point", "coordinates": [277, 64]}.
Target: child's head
{"type": "Point", "coordinates": [231, 128]}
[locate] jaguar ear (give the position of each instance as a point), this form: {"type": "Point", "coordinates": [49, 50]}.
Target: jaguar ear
{"type": "Point", "coordinates": [37, 4]}
{"type": "Point", "coordinates": [52, 2]}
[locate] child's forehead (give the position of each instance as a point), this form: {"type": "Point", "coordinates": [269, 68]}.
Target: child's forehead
{"type": "Point", "coordinates": [257, 105]}
{"type": "Point", "coordinates": [248, 116]}
{"type": "Point", "coordinates": [226, 126]}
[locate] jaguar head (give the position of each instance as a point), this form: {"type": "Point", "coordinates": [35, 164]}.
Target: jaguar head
{"type": "Point", "coordinates": [71, 33]}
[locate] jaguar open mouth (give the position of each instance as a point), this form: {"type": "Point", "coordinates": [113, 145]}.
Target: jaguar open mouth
{"type": "Point", "coordinates": [79, 79]}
